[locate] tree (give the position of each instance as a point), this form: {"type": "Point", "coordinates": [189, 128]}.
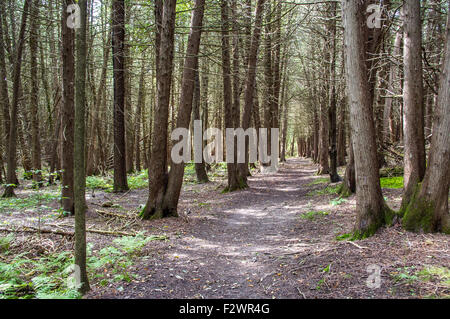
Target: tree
{"type": "Point", "coordinates": [414, 159]}
{"type": "Point", "coordinates": [251, 106]}
{"type": "Point", "coordinates": [34, 101]}
{"type": "Point", "coordinates": [12, 143]}
{"type": "Point", "coordinates": [80, 148]}
{"type": "Point", "coordinates": [68, 111]}
{"type": "Point", "coordinates": [372, 211]}
{"type": "Point", "coordinates": [334, 177]}
{"type": "Point", "coordinates": [228, 105]}
{"type": "Point", "coordinates": [427, 210]}
{"type": "Point", "coordinates": [163, 201]}
{"type": "Point", "coordinates": [118, 42]}
{"type": "Point", "coordinates": [200, 170]}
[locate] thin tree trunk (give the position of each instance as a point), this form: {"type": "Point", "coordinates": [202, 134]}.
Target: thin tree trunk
{"type": "Point", "coordinates": [34, 98]}
{"type": "Point", "coordinates": [414, 159]}
{"type": "Point", "coordinates": [12, 143]}
{"type": "Point", "coordinates": [79, 150]}
{"type": "Point", "coordinates": [118, 42]}
{"type": "Point", "coordinates": [251, 94]}
{"type": "Point", "coordinates": [68, 112]}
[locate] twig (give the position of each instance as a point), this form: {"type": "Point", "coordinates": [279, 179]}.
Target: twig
{"type": "Point", "coordinates": [356, 245]}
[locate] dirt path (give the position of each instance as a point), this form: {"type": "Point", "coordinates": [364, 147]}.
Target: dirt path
{"type": "Point", "coordinates": [253, 244]}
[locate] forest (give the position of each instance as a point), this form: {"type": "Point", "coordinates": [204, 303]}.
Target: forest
{"type": "Point", "coordinates": [224, 149]}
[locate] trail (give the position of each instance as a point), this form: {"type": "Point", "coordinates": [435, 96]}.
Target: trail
{"type": "Point", "coordinates": [254, 244]}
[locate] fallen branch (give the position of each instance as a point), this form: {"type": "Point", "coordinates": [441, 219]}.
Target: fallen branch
{"type": "Point", "coordinates": [105, 213]}
{"type": "Point", "coordinates": [354, 244]}
{"type": "Point", "coordinates": [31, 229]}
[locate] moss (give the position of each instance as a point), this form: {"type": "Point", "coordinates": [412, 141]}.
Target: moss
{"type": "Point", "coordinates": [344, 191]}
{"type": "Point", "coordinates": [388, 217]}
{"type": "Point", "coordinates": [419, 215]}
{"type": "Point", "coordinates": [391, 182]}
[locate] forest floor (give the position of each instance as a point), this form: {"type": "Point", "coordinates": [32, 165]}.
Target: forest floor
{"type": "Point", "coordinates": [284, 237]}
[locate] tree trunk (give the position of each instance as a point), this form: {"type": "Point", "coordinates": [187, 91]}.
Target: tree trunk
{"type": "Point", "coordinates": [34, 98]}
{"type": "Point", "coordinates": [79, 150]}
{"type": "Point", "coordinates": [68, 111]}
{"type": "Point", "coordinates": [137, 122]}
{"type": "Point", "coordinates": [372, 211]}
{"type": "Point", "coordinates": [428, 208]}
{"type": "Point", "coordinates": [233, 182]}
{"type": "Point", "coordinates": [251, 94]}
{"type": "Point", "coordinates": [414, 159]}
{"type": "Point", "coordinates": [12, 143]}
{"type": "Point", "coordinates": [200, 170]}
{"type": "Point", "coordinates": [334, 177]}
{"type": "Point", "coordinates": [118, 42]}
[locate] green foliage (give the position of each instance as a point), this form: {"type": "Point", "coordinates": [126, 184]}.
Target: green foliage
{"type": "Point", "coordinates": [337, 201]}
{"type": "Point", "coordinates": [321, 180]}
{"type": "Point", "coordinates": [45, 277]}
{"type": "Point", "coordinates": [346, 236]}
{"type": "Point", "coordinates": [405, 275]}
{"type": "Point", "coordinates": [99, 182]}
{"type": "Point", "coordinates": [441, 274]}
{"type": "Point", "coordinates": [312, 215]}
{"type": "Point", "coordinates": [391, 182]}
{"type": "Point", "coordinates": [31, 201]}
{"type": "Point", "coordinates": [5, 243]}
{"type": "Point", "coordinates": [120, 257]}
{"type": "Point", "coordinates": [391, 171]}
{"type": "Point", "coordinates": [329, 190]}
{"type": "Point", "coordinates": [138, 180]}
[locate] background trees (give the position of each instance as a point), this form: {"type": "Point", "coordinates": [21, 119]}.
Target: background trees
{"type": "Point", "coordinates": [260, 63]}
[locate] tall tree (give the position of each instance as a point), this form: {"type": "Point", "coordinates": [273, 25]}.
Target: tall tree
{"type": "Point", "coordinates": [118, 42]}
{"type": "Point", "coordinates": [158, 157]}
{"type": "Point", "coordinates": [200, 169]}
{"type": "Point", "coordinates": [68, 110]}
{"type": "Point", "coordinates": [334, 177]}
{"type": "Point", "coordinates": [414, 159]}
{"type": "Point", "coordinates": [12, 143]}
{"type": "Point", "coordinates": [34, 98]}
{"type": "Point", "coordinates": [228, 105]}
{"type": "Point", "coordinates": [251, 106]}
{"type": "Point", "coordinates": [372, 211]}
{"type": "Point", "coordinates": [80, 148]}
{"type": "Point", "coordinates": [428, 208]}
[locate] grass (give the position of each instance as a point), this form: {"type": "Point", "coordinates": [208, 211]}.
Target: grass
{"type": "Point", "coordinates": [321, 180]}
{"type": "Point", "coordinates": [312, 215]}
{"type": "Point", "coordinates": [391, 182]}
{"type": "Point", "coordinates": [31, 201]}
{"type": "Point", "coordinates": [329, 190]}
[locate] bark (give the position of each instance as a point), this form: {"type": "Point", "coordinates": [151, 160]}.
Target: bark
{"type": "Point", "coordinates": [118, 42]}
{"type": "Point", "coordinates": [428, 209]}
{"type": "Point", "coordinates": [250, 95]}
{"type": "Point", "coordinates": [414, 159]}
{"type": "Point", "coordinates": [372, 211]}
{"type": "Point", "coordinates": [34, 98]}
{"type": "Point", "coordinates": [165, 190]}
{"type": "Point", "coordinates": [68, 112]}
{"type": "Point", "coordinates": [12, 143]}
{"type": "Point", "coordinates": [334, 177]}
{"type": "Point", "coordinates": [137, 122]}
{"type": "Point", "coordinates": [233, 182]}
{"type": "Point", "coordinates": [200, 170]}
{"type": "Point", "coordinates": [93, 162]}
{"type": "Point", "coordinates": [79, 150]}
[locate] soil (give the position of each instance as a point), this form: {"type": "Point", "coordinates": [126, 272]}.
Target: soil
{"type": "Point", "coordinates": [255, 244]}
